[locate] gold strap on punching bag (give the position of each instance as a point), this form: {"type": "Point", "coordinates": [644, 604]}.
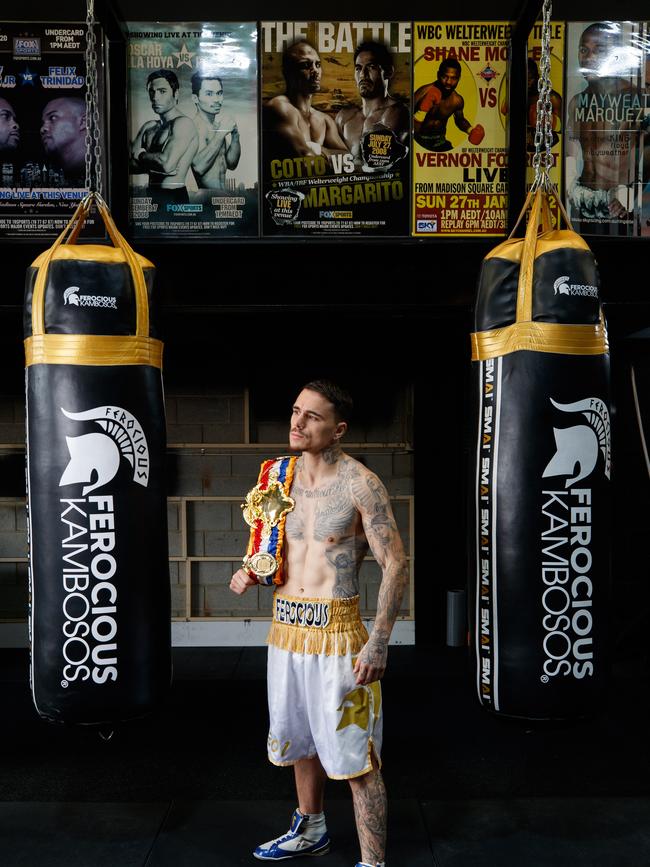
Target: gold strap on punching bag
{"type": "Point", "coordinates": [91, 349]}
{"type": "Point", "coordinates": [524, 333]}
{"type": "Point", "coordinates": [42, 348]}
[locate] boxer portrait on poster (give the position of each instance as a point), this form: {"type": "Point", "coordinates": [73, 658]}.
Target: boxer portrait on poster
{"type": "Point", "coordinates": [300, 129]}
{"type": "Point", "coordinates": [164, 148]}
{"type": "Point", "coordinates": [379, 110]}
{"type": "Point", "coordinates": [436, 103]}
{"type": "Point", "coordinates": [335, 127]}
{"type": "Point", "coordinates": [192, 112]}
{"type": "Point", "coordinates": [607, 126]}
{"type": "Point", "coordinates": [219, 148]}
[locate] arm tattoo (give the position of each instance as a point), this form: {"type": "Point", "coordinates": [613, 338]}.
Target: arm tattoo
{"type": "Point", "coordinates": [371, 498]}
{"type": "Point", "coordinates": [374, 505]}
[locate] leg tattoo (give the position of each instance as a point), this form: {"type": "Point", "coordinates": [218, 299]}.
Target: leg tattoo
{"type": "Point", "coordinates": [370, 809]}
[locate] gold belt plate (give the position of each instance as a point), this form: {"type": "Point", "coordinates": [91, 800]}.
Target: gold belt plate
{"type": "Point", "coordinates": [271, 505]}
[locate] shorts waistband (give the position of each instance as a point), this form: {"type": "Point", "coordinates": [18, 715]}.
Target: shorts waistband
{"type": "Point", "coordinates": [330, 614]}
{"type": "Point", "coordinates": [314, 625]}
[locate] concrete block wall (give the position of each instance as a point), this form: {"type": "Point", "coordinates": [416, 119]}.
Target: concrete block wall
{"type": "Point", "coordinates": [13, 575]}
{"type": "Point", "coordinates": [12, 420]}
{"type": "Point", "coordinates": [198, 422]}
{"type": "Point", "coordinates": [204, 418]}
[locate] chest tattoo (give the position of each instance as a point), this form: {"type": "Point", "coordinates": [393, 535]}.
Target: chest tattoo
{"type": "Point", "coordinates": [295, 525]}
{"type": "Point", "coordinates": [334, 516]}
{"type": "Point", "coordinates": [345, 557]}
{"type": "Point", "coordinates": [334, 513]}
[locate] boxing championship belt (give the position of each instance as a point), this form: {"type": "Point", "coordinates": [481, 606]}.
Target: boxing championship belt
{"type": "Point", "coordinates": [265, 511]}
{"type": "Point", "coordinates": [98, 561]}
{"type": "Point", "coordinates": [540, 513]}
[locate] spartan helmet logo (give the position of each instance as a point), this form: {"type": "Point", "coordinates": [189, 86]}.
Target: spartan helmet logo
{"type": "Point", "coordinates": [95, 457]}
{"type": "Point", "coordinates": [71, 296]}
{"type": "Point", "coordinates": [578, 446]}
{"type": "Point", "coordinates": [561, 286]}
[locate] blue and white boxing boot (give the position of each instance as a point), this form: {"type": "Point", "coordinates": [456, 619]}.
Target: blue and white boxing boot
{"type": "Point", "coordinates": [306, 836]}
{"type": "Point", "coordinates": [365, 864]}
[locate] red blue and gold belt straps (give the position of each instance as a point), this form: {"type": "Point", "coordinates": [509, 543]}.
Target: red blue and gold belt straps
{"type": "Point", "coordinates": [265, 511]}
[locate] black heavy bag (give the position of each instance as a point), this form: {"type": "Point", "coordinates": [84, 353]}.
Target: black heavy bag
{"type": "Point", "coordinates": [539, 545]}
{"type": "Point", "coordinates": [99, 575]}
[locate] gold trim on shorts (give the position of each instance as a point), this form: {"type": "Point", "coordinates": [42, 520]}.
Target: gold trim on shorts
{"type": "Point", "coordinates": [312, 625]}
{"type": "Point", "coordinates": [372, 751]}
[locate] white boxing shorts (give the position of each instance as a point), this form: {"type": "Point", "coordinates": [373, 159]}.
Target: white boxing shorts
{"type": "Point", "coordinates": [315, 704]}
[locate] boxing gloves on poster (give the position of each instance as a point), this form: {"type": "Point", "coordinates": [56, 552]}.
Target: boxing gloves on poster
{"type": "Point", "coordinates": [476, 134]}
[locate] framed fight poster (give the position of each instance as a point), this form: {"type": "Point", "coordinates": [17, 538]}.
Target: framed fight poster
{"type": "Point", "coordinates": [335, 128]}
{"type": "Point", "coordinates": [460, 109]}
{"type": "Point", "coordinates": [193, 136]}
{"type": "Point", "coordinates": [43, 127]}
{"type": "Point", "coordinates": [607, 129]}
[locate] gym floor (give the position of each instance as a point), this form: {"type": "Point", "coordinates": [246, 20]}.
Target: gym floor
{"type": "Point", "coordinates": [190, 785]}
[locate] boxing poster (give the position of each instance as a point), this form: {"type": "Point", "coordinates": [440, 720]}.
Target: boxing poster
{"type": "Point", "coordinates": [335, 128]}
{"type": "Point", "coordinates": [193, 134]}
{"type": "Point", "coordinates": [557, 105]}
{"type": "Point", "coordinates": [43, 127]}
{"type": "Point", "coordinates": [607, 137]}
{"type": "Point", "coordinates": [460, 108]}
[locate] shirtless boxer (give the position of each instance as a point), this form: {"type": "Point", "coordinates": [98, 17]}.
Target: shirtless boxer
{"type": "Point", "coordinates": [324, 698]}
{"type": "Point", "coordinates": [219, 145]}
{"type": "Point", "coordinates": [607, 149]}
{"type": "Point", "coordinates": [435, 103]}
{"type": "Point", "coordinates": [299, 129]}
{"type": "Point", "coordinates": [165, 148]}
{"type": "Point", "coordinates": [373, 70]}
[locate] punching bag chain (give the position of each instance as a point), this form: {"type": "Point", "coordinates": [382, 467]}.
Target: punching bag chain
{"type": "Point", "coordinates": [93, 139]}
{"type": "Point", "coordinates": [543, 159]}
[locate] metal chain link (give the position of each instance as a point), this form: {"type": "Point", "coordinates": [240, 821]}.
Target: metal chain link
{"type": "Point", "coordinates": [93, 131]}
{"type": "Point", "coordinates": [543, 160]}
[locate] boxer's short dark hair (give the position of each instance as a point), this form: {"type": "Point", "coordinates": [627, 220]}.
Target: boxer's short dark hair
{"type": "Point", "coordinates": [168, 74]}
{"type": "Point", "coordinates": [199, 77]}
{"type": "Point", "coordinates": [337, 396]}
{"type": "Point", "coordinates": [380, 52]}
{"type": "Point", "coordinates": [450, 63]}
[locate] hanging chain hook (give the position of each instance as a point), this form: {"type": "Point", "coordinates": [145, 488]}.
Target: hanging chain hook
{"type": "Point", "coordinates": [543, 158]}
{"type": "Point", "coordinates": [93, 131]}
